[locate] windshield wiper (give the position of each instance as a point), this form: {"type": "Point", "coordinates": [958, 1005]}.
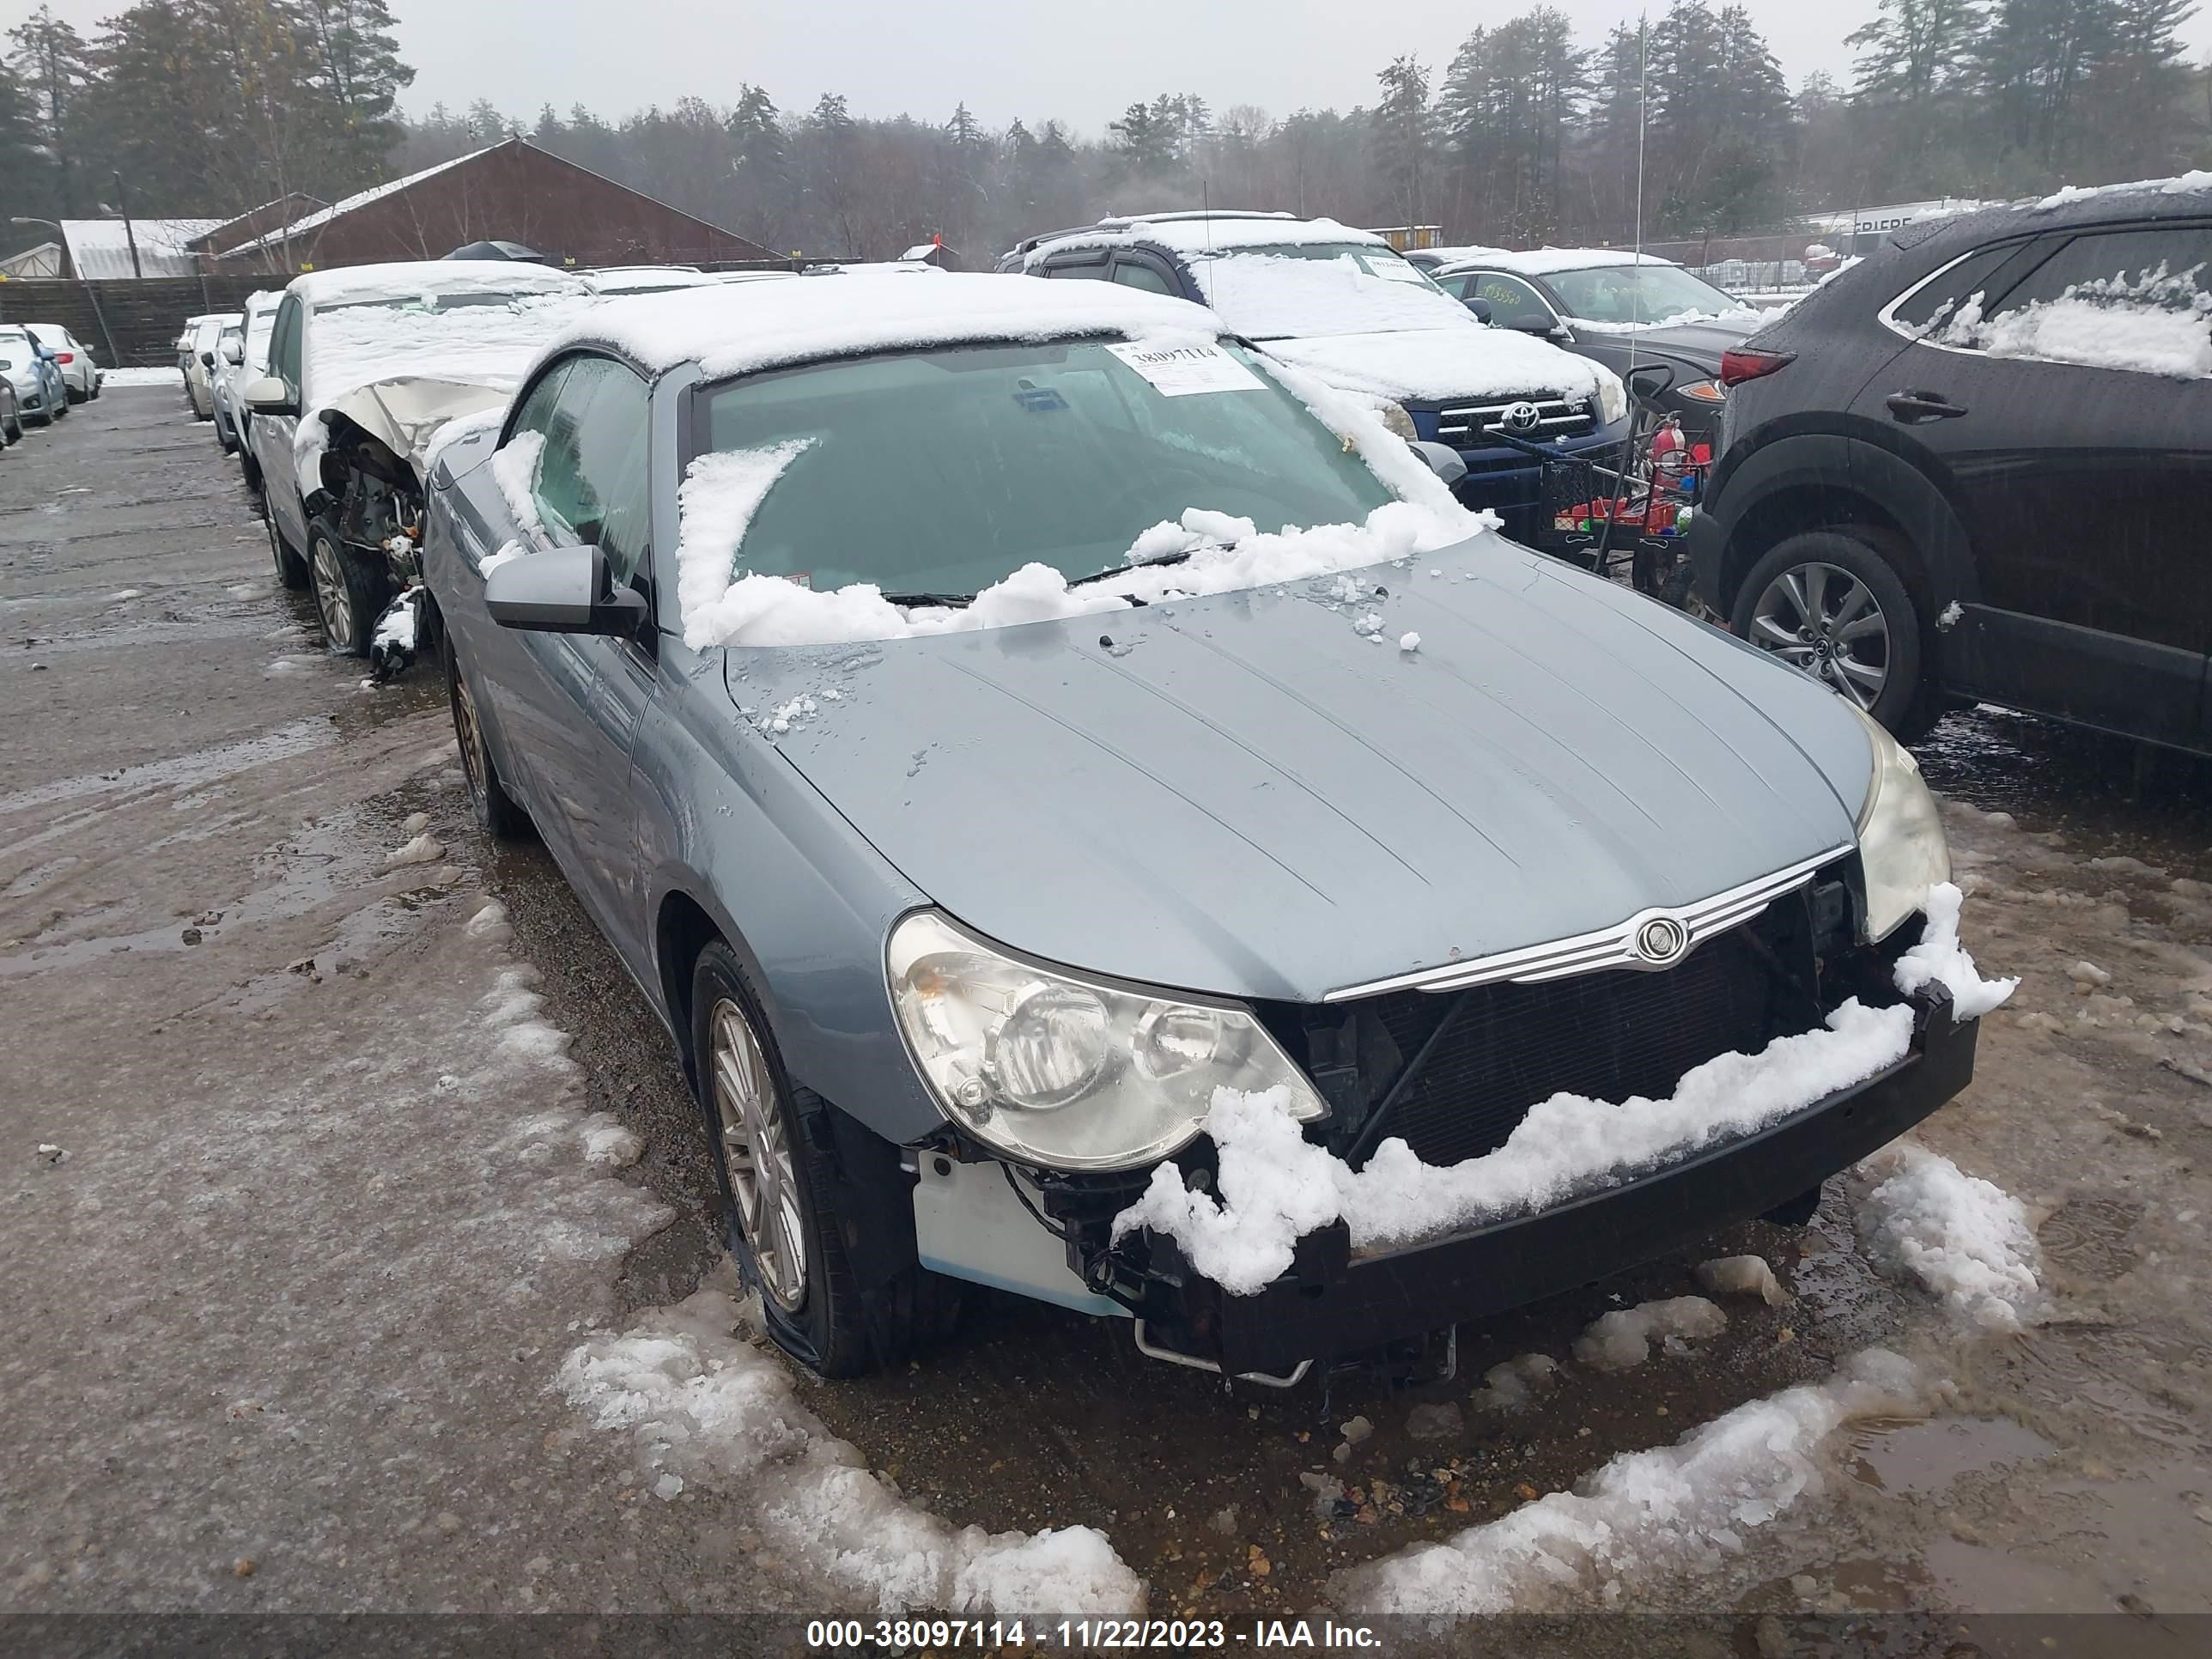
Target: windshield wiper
{"type": "Point", "coordinates": [956, 600]}
{"type": "Point", "coordinates": [1145, 564]}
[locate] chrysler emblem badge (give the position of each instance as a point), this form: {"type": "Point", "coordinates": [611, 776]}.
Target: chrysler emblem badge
{"type": "Point", "coordinates": [1520, 417]}
{"type": "Point", "coordinates": [1661, 940]}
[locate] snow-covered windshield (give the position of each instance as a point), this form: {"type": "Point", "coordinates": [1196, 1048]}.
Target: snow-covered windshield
{"type": "Point", "coordinates": [1639, 293]}
{"type": "Point", "coordinates": [944, 471]}
{"type": "Point", "coordinates": [258, 327]}
{"type": "Point", "coordinates": [1300, 290]}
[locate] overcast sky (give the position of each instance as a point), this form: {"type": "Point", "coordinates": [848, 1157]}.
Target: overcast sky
{"type": "Point", "coordinates": [1031, 58]}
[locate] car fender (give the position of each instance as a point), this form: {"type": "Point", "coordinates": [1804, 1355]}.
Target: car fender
{"type": "Point", "coordinates": [1910, 491]}
{"type": "Point", "coordinates": [724, 821]}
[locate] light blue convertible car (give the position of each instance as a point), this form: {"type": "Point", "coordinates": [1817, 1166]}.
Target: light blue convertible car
{"type": "Point", "coordinates": [1100, 822]}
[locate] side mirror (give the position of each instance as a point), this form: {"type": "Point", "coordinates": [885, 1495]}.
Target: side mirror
{"type": "Point", "coordinates": [564, 590]}
{"type": "Point", "coordinates": [269, 396]}
{"type": "Point", "coordinates": [208, 358]}
{"type": "Point", "coordinates": [1442, 460]}
{"type": "Point", "coordinates": [234, 354]}
{"type": "Point", "coordinates": [1480, 308]}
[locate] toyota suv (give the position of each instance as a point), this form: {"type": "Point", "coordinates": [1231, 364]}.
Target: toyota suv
{"type": "Point", "coordinates": [1346, 307]}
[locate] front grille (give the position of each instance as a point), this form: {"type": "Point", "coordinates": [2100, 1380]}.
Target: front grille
{"type": "Point", "coordinates": [1453, 1073]}
{"type": "Point", "coordinates": [1469, 425]}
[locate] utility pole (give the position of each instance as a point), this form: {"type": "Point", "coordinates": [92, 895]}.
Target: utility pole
{"type": "Point", "coordinates": [122, 203]}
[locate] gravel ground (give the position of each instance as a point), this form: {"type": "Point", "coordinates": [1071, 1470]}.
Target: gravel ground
{"type": "Point", "coordinates": [287, 1321]}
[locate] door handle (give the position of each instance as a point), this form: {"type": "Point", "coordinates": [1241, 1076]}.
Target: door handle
{"type": "Point", "coordinates": [1916, 407]}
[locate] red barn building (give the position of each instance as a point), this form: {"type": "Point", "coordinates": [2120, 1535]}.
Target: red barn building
{"type": "Point", "coordinates": [511, 193]}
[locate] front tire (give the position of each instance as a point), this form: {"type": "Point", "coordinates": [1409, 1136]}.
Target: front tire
{"type": "Point", "coordinates": [495, 812]}
{"type": "Point", "coordinates": [779, 1185]}
{"type": "Point", "coordinates": [1830, 604]}
{"type": "Point", "coordinates": [349, 597]}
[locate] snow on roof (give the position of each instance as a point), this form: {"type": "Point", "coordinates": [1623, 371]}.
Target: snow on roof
{"type": "Point", "coordinates": [1455, 255]}
{"type": "Point", "coordinates": [100, 249]}
{"type": "Point", "coordinates": [736, 328]}
{"type": "Point", "coordinates": [1543, 261]}
{"type": "Point", "coordinates": [404, 279]}
{"type": "Point", "coordinates": [315, 222]}
{"type": "Point", "coordinates": [1208, 234]}
{"type": "Point", "coordinates": [643, 279]}
{"type": "Point", "coordinates": [2181, 185]}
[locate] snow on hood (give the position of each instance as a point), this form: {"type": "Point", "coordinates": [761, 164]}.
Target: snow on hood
{"type": "Point", "coordinates": [356, 345]}
{"type": "Point", "coordinates": [1268, 296]}
{"type": "Point", "coordinates": [1433, 365]}
{"type": "Point", "coordinates": [1274, 1186]}
{"type": "Point", "coordinates": [1739, 320]}
{"type": "Point", "coordinates": [721, 492]}
{"type": "Point", "coordinates": [741, 328]}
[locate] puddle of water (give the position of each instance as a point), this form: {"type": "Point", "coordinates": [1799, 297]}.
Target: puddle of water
{"type": "Point", "coordinates": [1926, 1456]}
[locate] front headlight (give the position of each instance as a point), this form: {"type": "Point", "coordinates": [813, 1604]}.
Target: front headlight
{"type": "Point", "coordinates": [1612, 395]}
{"type": "Point", "coordinates": [1049, 1067]}
{"type": "Point", "coordinates": [1902, 849]}
{"type": "Point", "coordinates": [1397, 418]}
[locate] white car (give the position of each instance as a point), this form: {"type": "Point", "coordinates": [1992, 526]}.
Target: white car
{"type": "Point", "coordinates": [610, 279]}
{"type": "Point", "coordinates": [365, 365]}
{"type": "Point", "coordinates": [200, 360]}
{"type": "Point", "coordinates": [242, 357]}
{"type": "Point", "coordinates": [79, 373]}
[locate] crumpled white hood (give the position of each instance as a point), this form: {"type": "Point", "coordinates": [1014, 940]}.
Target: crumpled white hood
{"type": "Point", "coordinates": [1431, 365]}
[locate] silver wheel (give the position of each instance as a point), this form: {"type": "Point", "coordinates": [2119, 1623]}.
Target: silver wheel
{"type": "Point", "coordinates": [471, 736]}
{"type": "Point", "coordinates": [332, 599]}
{"type": "Point", "coordinates": [756, 1152]}
{"type": "Point", "coordinates": [1824, 620]}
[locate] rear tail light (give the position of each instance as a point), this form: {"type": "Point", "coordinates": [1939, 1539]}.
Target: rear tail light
{"type": "Point", "coordinates": [1742, 364]}
{"type": "Point", "coordinates": [64, 357]}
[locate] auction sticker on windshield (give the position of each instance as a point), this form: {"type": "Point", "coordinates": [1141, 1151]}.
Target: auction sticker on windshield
{"type": "Point", "coordinates": [1177, 371]}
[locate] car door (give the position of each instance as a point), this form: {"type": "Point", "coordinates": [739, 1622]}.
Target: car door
{"type": "Point", "coordinates": [2080, 469]}
{"type": "Point", "coordinates": [569, 703]}
{"type": "Point", "coordinates": [273, 435]}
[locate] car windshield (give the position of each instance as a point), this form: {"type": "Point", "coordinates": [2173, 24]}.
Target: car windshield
{"type": "Point", "coordinates": [944, 471]}
{"type": "Point", "coordinates": [1638, 293]}
{"type": "Point", "coordinates": [1304, 290]}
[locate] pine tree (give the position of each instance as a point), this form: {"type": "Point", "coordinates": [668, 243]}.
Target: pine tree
{"type": "Point", "coordinates": [1148, 140]}
{"type": "Point", "coordinates": [54, 66]}
{"type": "Point", "coordinates": [761, 166]}
{"type": "Point", "coordinates": [353, 60]}
{"type": "Point", "coordinates": [1403, 138]}
{"type": "Point", "coordinates": [26, 165]}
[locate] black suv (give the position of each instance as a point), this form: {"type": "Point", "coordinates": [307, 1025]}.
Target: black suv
{"type": "Point", "coordinates": [1978, 465]}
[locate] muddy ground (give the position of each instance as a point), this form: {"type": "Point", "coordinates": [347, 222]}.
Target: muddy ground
{"type": "Point", "coordinates": [283, 1322]}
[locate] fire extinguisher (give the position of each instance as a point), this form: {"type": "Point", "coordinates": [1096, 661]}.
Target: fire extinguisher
{"type": "Point", "coordinates": [1670, 451]}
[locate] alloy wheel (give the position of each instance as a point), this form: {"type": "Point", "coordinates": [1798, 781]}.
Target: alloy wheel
{"type": "Point", "coordinates": [1824, 620]}
{"type": "Point", "coordinates": [331, 598]}
{"type": "Point", "coordinates": [756, 1152]}
{"type": "Point", "coordinates": [471, 737]}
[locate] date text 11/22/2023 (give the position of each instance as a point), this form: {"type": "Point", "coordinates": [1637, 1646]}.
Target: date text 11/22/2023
{"type": "Point", "coordinates": [899, 1635]}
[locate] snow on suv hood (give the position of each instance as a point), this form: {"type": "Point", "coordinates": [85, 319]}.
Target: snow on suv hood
{"type": "Point", "coordinates": [1252, 795]}
{"type": "Point", "coordinates": [1435, 365]}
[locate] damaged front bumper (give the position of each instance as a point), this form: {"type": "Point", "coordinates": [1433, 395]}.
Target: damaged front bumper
{"type": "Point", "coordinates": [1332, 1302]}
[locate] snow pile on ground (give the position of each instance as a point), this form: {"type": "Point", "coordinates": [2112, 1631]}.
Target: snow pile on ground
{"type": "Point", "coordinates": [1742, 1275]}
{"type": "Point", "coordinates": [705, 1408]}
{"type": "Point", "coordinates": [1274, 1186]}
{"type": "Point", "coordinates": [2156, 325]}
{"type": "Point", "coordinates": [1643, 1517]}
{"type": "Point", "coordinates": [1939, 957]}
{"type": "Point", "coordinates": [1511, 1385]}
{"type": "Point", "coordinates": [115, 377]}
{"type": "Point", "coordinates": [1621, 1340]}
{"type": "Point", "coordinates": [1966, 1239]}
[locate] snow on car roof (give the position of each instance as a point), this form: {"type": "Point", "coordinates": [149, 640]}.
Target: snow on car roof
{"type": "Point", "coordinates": [420, 278]}
{"type": "Point", "coordinates": [2181, 185]}
{"type": "Point", "coordinates": [737, 329]}
{"type": "Point", "coordinates": [1543, 261]}
{"type": "Point", "coordinates": [1216, 233]}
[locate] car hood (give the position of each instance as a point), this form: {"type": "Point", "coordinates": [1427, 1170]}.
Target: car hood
{"type": "Point", "coordinates": [1242, 794]}
{"type": "Point", "coordinates": [1437, 365]}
